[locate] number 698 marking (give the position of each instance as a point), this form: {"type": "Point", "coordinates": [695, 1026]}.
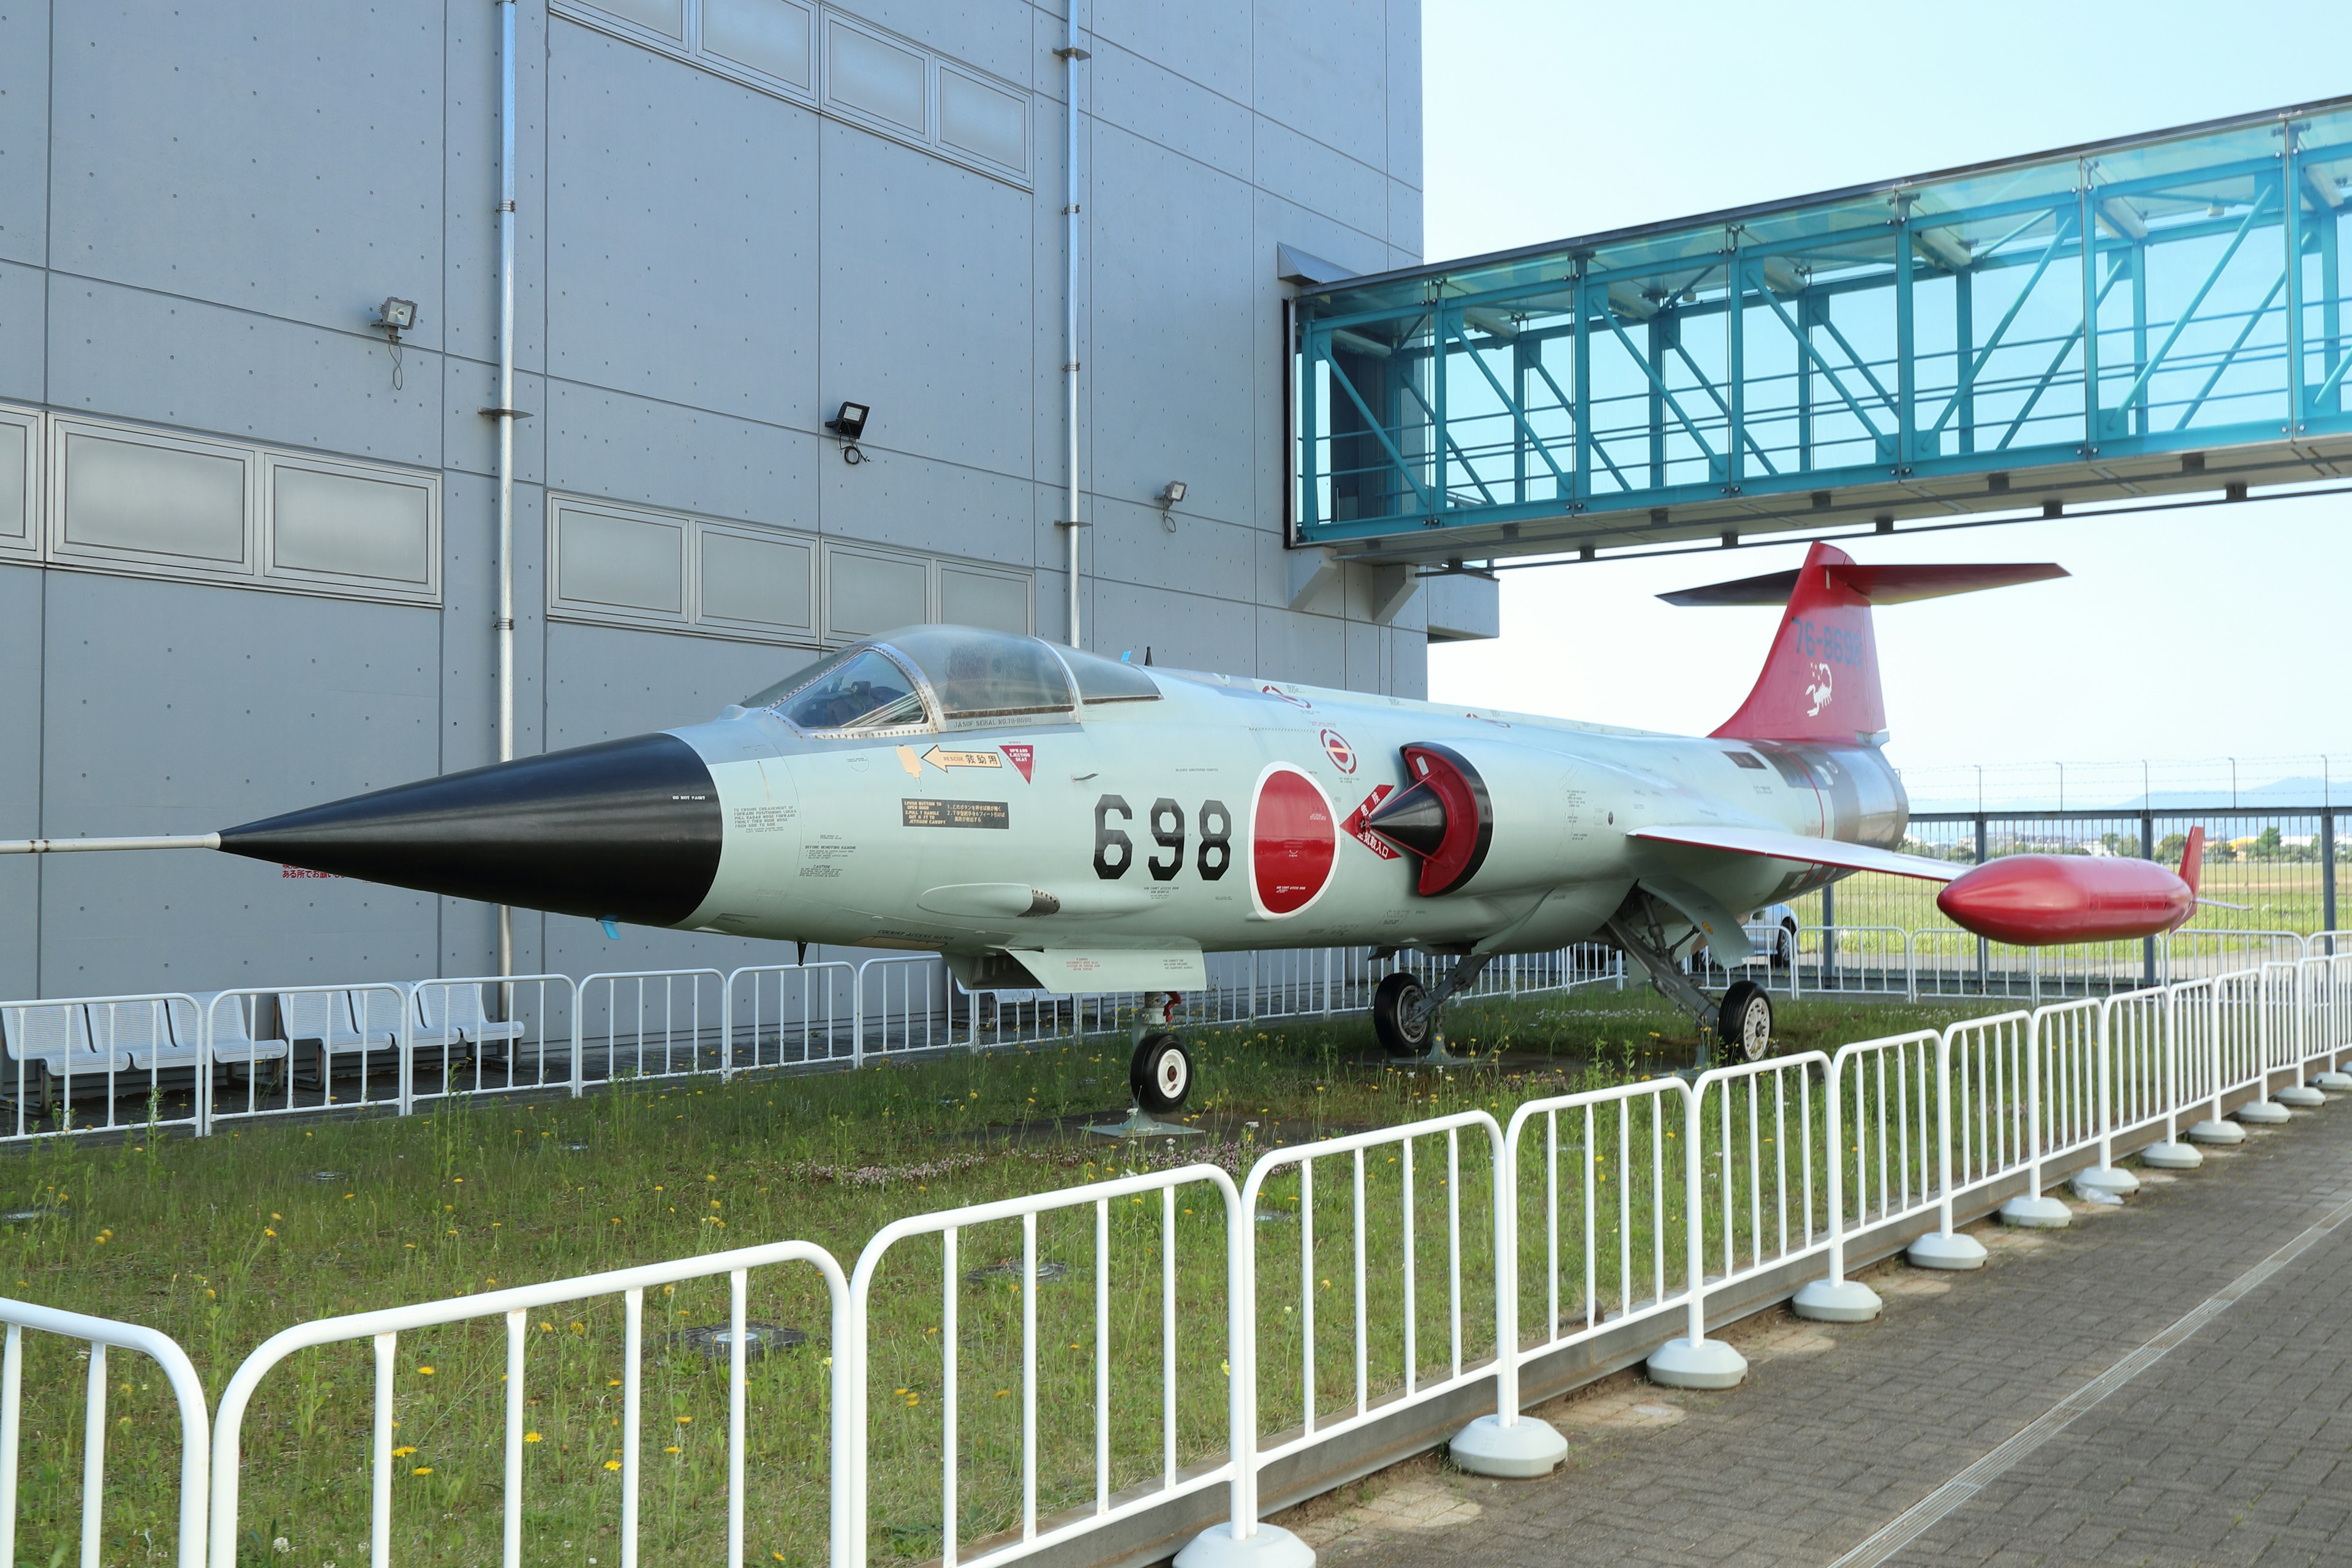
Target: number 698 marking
{"type": "Point", "coordinates": [1115, 850]}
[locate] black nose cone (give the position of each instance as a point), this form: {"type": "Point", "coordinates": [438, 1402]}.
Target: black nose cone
{"type": "Point", "coordinates": [625, 828]}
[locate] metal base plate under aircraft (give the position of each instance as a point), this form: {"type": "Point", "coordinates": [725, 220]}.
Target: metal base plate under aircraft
{"type": "Point", "coordinates": [1053, 821]}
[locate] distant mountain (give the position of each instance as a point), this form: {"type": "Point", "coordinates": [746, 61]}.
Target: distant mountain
{"type": "Point", "coordinates": [2305, 790]}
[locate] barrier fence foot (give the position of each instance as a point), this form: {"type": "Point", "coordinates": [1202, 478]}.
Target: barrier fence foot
{"type": "Point", "coordinates": [2263, 1113]}
{"type": "Point", "coordinates": [1526, 1449]}
{"type": "Point", "coordinates": [1837, 1301]}
{"type": "Point", "coordinates": [2044, 1213]}
{"type": "Point", "coordinates": [2217, 1133]}
{"type": "Point", "coordinates": [1710, 1363]}
{"type": "Point", "coordinates": [2334, 1082]}
{"type": "Point", "coordinates": [2300, 1096]}
{"type": "Point", "coordinates": [2107, 1179]}
{"type": "Point", "coordinates": [1267, 1546]}
{"type": "Point", "coordinates": [2170, 1157]}
{"type": "Point", "coordinates": [1946, 1249]}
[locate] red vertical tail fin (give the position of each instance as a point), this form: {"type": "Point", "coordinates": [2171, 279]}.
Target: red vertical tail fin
{"type": "Point", "coordinates": [2192, 859]}
{"type": "Point", "coordinates": [1819, 682]}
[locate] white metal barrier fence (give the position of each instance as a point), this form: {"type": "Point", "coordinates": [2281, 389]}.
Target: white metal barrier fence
{"type": "Point", "coordinates": [1779, 1161]}
{"type": "Point", "coordinates": [186, 1060]}
{"type": "Point", "coordinates": [99, 1334]}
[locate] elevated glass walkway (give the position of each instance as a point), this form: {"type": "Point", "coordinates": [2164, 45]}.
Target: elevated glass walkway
{"type": "Point", "coordinates": [1910, 351]}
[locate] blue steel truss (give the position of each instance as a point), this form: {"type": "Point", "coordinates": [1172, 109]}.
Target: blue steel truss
{"type": "Point", "coordinates": [1906, 351]}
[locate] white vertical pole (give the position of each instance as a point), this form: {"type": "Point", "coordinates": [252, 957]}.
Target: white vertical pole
{"type": "Point", "coordinates": [505, 415]}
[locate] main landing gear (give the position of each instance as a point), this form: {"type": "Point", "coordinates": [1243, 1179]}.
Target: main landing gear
{"type": "Point", "coordinates": [1406, 1015]}
{"type": "Point", "coordinates": [1741, 1023]}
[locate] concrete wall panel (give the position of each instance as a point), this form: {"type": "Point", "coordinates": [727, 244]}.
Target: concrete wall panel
{"type": "Point", "coordinates": [683, 258]}
{"type": "Point", "coordinates": [20, 778]}
{"type": "Point", "coordinates": [1322, 70]}
{"type": "Point", "coordinates": [1207, 42]}
{"type": "Point", "coordinates": [919, 503]}
{"type": "Point", "coordinates": [25, 134]}
{"type": "Point", "coordinates": [928, 301]}
{"type": "Point", "coordinates": [284, 159]}
{"type": "Point", "coordinates": [1182, 629]}
{"type": "Point", "coordinates": [323, 699]}
{"type": "Point", "coordinates": [24, 322]}
{"type": "Point", "coordinates": [1150, 99]}
{"type": "Point", "coordinates": [626, 448]}
{"type": "Point", "coordinates": [136, 354]}
{"type": "Point", "coordinates": [1308, 648]}
{"type": "Point", "coordinates": [1173, 272]}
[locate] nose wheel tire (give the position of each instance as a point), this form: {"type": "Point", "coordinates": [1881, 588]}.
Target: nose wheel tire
{"type": "Point", "coordinates": [1161, 1073]}
{"type": "Point", "coordinates": [1404, 1030]}
{"type": "Point", "coordinates": [1743, 1029]}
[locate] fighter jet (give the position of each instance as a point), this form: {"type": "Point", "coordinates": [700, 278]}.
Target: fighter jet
{"type": "Point", "coordinates": [1054, 820]}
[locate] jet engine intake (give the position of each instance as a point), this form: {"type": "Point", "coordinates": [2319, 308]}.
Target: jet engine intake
{"type": "Point", "coordinates": [1444, 817]}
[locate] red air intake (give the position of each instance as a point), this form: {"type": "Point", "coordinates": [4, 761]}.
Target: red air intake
{"type": "Point", "coordinates": [1443, 818]}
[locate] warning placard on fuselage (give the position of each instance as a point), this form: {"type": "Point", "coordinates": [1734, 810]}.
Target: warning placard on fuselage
{"type": "Point", "coordinates": [917, 812]}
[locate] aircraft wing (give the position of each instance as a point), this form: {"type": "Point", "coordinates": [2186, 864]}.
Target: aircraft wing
{"type": "Point", "coordinates": [1771, 844]}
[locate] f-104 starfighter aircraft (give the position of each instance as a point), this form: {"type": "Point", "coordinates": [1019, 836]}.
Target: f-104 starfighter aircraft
{"type": "Point", "coordinates": [1049, 819]}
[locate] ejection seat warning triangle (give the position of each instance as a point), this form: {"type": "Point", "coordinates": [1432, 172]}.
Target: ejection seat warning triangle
{"type": "Point", "coordinates": [1022, 757]}
{"type": "Point", "coordinates": [918, 813]}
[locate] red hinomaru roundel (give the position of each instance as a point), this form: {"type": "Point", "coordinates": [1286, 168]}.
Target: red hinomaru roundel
{"type": "Point", "coordinates": [1294, 838]}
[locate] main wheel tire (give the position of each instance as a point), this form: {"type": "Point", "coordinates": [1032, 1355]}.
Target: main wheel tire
{"type": "Point", "coordinates": [1784, 946]}
{"type": "Point", "coordinates": [1161, 1073]}
{"type": "Point", "coordinates": [1743, 1029]}
{"type": "Point", "coordinates": [1397, 1019]}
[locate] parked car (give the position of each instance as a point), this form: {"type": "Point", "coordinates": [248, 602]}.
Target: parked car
{"type": "Point", "coordinates": [1781, 945]}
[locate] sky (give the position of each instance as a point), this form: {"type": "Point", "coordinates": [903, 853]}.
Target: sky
{"type": "Point", "coordinates": [2218, 631]}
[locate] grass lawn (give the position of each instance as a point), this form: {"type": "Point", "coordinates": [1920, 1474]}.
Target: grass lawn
{"type": "Point", "coordinates": [223, 1241]}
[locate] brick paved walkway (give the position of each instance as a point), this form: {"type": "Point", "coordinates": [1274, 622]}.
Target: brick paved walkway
{"type": "Point", "coordinates": [2236, 1447]}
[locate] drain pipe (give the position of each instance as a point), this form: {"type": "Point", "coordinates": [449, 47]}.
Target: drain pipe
{"type": "Point", "coordinates": [1070, 56]}
{"type": "Point", "coordinates": [506, 414]}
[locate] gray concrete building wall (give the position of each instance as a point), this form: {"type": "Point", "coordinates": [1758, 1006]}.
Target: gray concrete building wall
{"type": "Point", "coordinates": [201, 206]}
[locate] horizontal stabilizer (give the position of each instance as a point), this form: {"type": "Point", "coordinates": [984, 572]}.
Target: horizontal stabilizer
{"type": "Point", "coordinates": [1873, 584]}
{"type": "Point", "coordinates": [1771, 844]}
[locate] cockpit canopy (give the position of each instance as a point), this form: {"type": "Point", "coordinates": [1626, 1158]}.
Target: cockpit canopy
{"type": "Point", "coordinates": [922, 678]}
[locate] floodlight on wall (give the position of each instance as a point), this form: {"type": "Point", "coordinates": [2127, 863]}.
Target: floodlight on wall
{"type": "Point", "coordinates": [1170, 495]}
{"type": "Point", "coordinates": [849, 423]}
{"type": "Point", "coordinates": [394, 317]}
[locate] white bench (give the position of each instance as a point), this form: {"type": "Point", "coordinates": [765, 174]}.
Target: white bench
{"type": "Point", "coordinates": [121, 1045]}
{"type": "Point", "coordinates": [453, 1015]}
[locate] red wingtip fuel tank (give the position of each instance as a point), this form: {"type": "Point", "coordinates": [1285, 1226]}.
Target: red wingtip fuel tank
{"type": "Point", "coordinates": [2040, 900]}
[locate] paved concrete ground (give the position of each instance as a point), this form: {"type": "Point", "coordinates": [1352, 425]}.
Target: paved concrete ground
{"type": "Point", "coordinates": [2235, 1447]}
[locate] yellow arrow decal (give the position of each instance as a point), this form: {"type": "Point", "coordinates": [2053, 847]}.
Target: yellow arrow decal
{"type": "Point", "coordinates": [943, 760]}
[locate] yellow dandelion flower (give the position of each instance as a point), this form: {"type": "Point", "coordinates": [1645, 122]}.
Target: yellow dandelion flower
{"type": "Point", "coordinates": [422, 1471]}
{"type": "Point", "coordinates": [530, 1437]}
{"type": "Point", "coordinates": [612, 1464]}
{"type": "Point", "coordinates": [402, 1453]}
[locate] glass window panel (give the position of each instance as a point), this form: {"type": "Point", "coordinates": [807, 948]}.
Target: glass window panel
{"type": "Point", "coordinates": [764, 581]}
{"type": "Point", "coordinates": [352, 526]}
{"type": "Point", "coordinates": [770, 35]}
{"type": "Point", "coordinates": [164, 500]}
{"type": "Point", "coordinates": [861, 691]}
{"type": "Point", "coordinates": [1107, 679]}
{"type": "Point", "coordinates": [976, 672]}
{"type": "Point", "coordinates": [630, 563]}
{"type": "Point", "coordinates": [983, 120]}
{"type": "Point", "coordinates": [984, 599]}
{"type": "Point", "coordinates": [863, 73]}
{"type": "Point", "coordinates": [666, 17]}
{"type": "Point", "coordinates": [874, 592]}
{"type": "Point", "coordinates": [13, 439]}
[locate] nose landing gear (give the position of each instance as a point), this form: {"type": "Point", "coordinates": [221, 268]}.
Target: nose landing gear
{"type": "Point", "coordinates": [1159, 1073]}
